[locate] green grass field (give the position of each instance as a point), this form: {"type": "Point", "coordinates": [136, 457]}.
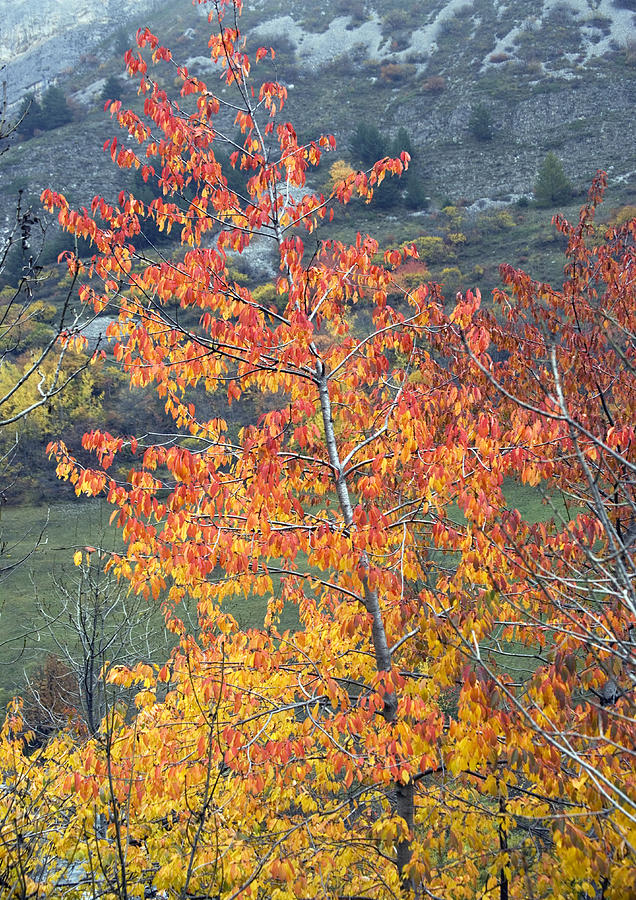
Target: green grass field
{"type": "Point", "coordinates": [49, 536]}
{"type": "Point", "coordinates": [45, 538]}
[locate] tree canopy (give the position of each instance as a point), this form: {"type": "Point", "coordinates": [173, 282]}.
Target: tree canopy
{"type": "Point", "coordinates": [453, 716]}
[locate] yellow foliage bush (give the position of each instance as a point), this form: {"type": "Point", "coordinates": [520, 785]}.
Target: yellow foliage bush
{"type": "Point", "coordinates": [452, 278]}
{"type": "Point", "coordinates": [79, 404]}
{"type": "Point", "coordinates": [338, 171]}
{"type": "Point", "coordinates": [265, 294]}
{"type": "Point", "coordinates": [454, 215]}
{"type": "Point", "coordinates": [622, 215]}
{"type": "Point", "coordinates": [432, 249]}
{"type": "Point", "coordinates": [499, 220]}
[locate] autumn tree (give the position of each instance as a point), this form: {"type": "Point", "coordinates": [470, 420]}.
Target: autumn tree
{"type": "Point", "coordinates": [387, 746]}
{"type": "Point", "coordinates": [569, 372]}
{"type": "Point", "coordinates": [29, 807]}
{"type": "Point", "coordinates": [52, 700]}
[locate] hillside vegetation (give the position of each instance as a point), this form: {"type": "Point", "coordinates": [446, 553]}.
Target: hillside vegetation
{"type": "Point", "coordinates": [361, 624]}
{"type": "Point", "coordinates": [349, 601]}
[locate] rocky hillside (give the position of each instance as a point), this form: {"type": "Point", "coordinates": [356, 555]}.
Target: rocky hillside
{"type": "Point", "coordinates": [549, 75]}
{"type": "Point", "coordinates": [43, 42]}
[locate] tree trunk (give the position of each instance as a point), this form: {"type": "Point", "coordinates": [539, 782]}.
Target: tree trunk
{"type": "Point", "coordinates": [503, 847]}
{"type": "Point", "coordinates": [403, 793]}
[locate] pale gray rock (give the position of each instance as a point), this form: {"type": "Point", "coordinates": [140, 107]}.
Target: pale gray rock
{"type": "Point", "coordinates": [41, 41]}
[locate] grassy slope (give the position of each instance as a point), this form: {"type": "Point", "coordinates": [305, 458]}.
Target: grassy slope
{"type": "Point", "coordinates": [70, 526]}
{"type": "Point", "coordinates": [49, 536]}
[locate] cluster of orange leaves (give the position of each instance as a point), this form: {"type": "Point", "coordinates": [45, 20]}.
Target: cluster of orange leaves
{"type": "Point", "coordinates": [272, 762]}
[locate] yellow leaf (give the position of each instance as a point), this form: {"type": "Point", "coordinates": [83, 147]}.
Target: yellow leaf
{"type": "Point", "coordinates": [77, 558]}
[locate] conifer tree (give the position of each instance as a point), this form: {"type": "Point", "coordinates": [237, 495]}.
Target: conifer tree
{"type": "Point", "coordinates": [480, 123]}
{"type": "Point", "coordinates": [30, 116]}
{"type": "Point", "coordinates": [552, 185]}
{"type": "Point", "coordinates": [55, 109]}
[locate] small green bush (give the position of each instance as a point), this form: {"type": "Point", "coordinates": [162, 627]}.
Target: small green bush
{"type": "Point", "coordinates": [552, 185]}
{"type": "Point", "coordinates": [415, 197]}
{"type": "Point", "coordinates": [396, 19]}
{"type": "Point", "coordinates": [112, 90]}
{"type": "Point", "coordinates": [30, 116]}
{"type": "Point", "coordinates": [55, 110]}
{"type": "Point", "coordinates": [368, 144]}
{"type": "Point", "coordinates": [480, 123]}
{"type": "Point", "coordinates": [402, 142]}
{"type": "Point", "coordinates": [121, 41]}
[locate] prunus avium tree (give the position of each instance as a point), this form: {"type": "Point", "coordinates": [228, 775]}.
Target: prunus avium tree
{"type": "Point", "coordinates": [439, 724]}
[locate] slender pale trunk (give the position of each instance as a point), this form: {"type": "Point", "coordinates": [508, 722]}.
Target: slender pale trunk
{"type": "Point", "coordinates": [371, 599]}
{"type": "Point", "coordinates": [403, 793]}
